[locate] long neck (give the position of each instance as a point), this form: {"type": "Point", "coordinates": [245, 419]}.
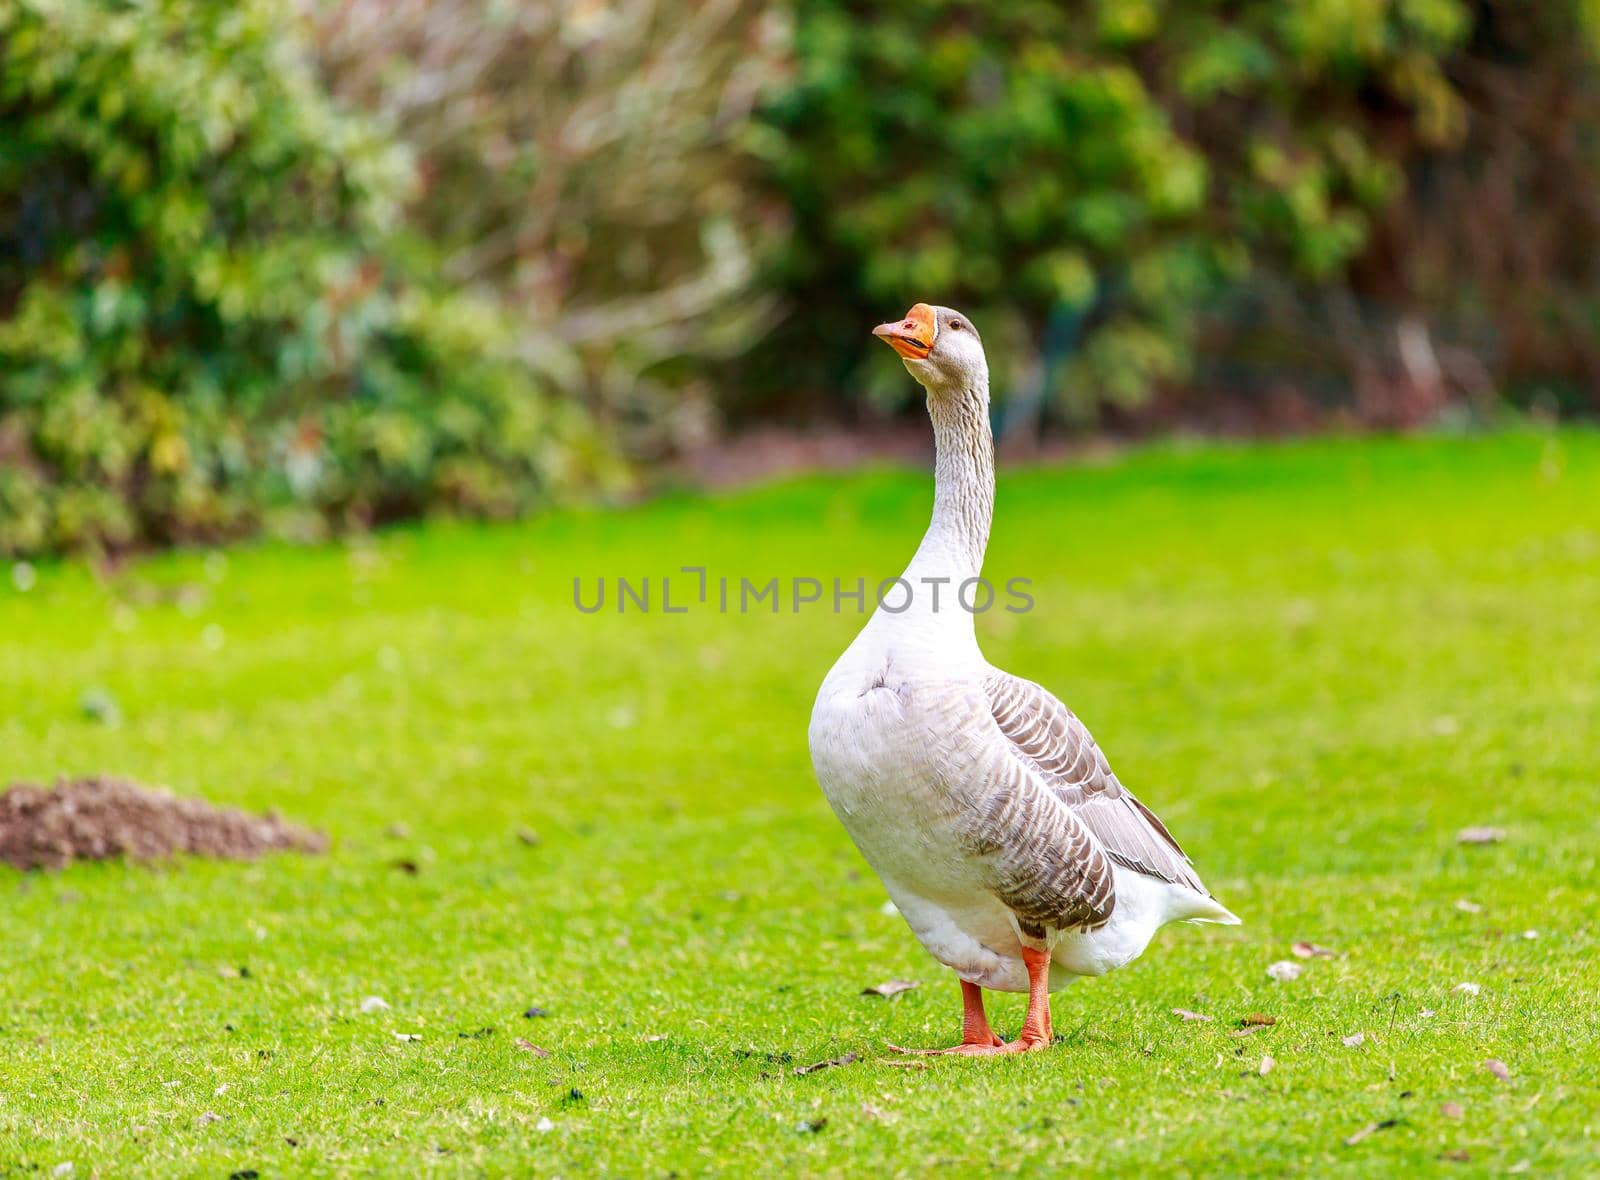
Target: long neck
{"type": "Point", "coordinates": [963, 486]}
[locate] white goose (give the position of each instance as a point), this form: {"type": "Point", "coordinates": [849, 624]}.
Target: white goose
{"type": "Point", "coordinates": [991, 815]}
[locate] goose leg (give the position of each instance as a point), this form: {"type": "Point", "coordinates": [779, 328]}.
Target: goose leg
{"type": "Point", "coordinates": [976, 1035]}
{"type": "Point", "coordinates": [1037, 1031]}
{"type": "Point", "coordinates": [975, 1028]}
{"type": "Point", "coordinates": [979, 1040]}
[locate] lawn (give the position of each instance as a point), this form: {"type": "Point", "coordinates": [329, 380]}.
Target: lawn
{"type": "Point", "coordinates": [1318, 662]}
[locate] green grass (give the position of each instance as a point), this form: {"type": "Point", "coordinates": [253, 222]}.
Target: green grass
{"type": "Point", "coordinates": [1317, 662]}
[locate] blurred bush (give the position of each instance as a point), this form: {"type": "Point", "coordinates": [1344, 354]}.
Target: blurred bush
{"type": "Point", "coordinates": [586, 164]}
{"type": "Point", "coordinates": [1105, 185]}
{"type": "Point", "coordinates": [312, 264]}
{"type": "Point", "coordinates": [210, 318]}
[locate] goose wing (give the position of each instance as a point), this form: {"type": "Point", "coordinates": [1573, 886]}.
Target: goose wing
{"type": "Point", "coordinates": [1041, 858]}
{"type": "Point", "coordinates": [1052, 740]}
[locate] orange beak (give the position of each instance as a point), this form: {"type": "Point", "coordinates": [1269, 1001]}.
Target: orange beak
{"type": "Point", "coordinates": [913, 336]}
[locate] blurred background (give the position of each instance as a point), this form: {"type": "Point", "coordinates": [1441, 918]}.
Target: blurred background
{"type": "Point", "coordinates": [306, 266]}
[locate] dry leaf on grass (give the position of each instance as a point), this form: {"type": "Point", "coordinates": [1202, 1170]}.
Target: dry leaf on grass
{"type": "Point", "coordinates": [1284, 971]}
{"type": "Point", "coordinates": [846, 1059]}
{"type": "Point", "coordinates": [1266, 1066]}
{"type": "Point", "coordinates": [408, 1036]}
{"type": "Point", "coordinates": [374, 1004]}
{"type": "Point", "coordinates": [1369, 1129]}
{"type": "Point", "coordinates": [1483, 835]}
{"type": "Point", "coordinates": [1354, 1039]}
{"type": "Point", "coordinates": [1470, 989]}
{"type": "Point", "coordinates": [1468, 907]}
{"type": "Point", "coordinates": [891, 987]}
{"type": "Point", "coordinates": [1253, 1023]}
{"type": "Point", "coordinates": [209, 1116]}
{"type": "Point", "coordinates": [528, 1046]}
{"type": "Point", "coordinates": [1310, 950]}
{"type": "Point", "coordinates": [1497, 1067]}
{"type": "Point", "coordinates": [1451, 1110]}
{"type": "Point", "coordinates": [1188, 1015]}
{"type": "Point", "coordinates": [906, 1063]}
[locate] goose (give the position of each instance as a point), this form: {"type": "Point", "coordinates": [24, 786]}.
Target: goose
{"type": "Point", "coordinates": [989, 812]}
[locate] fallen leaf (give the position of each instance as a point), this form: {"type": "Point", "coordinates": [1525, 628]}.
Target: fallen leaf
{"type": "Point", "coordinates": [397, 831]}
{"type": "Point", "coordinates": [1470, 989]}
{"type": "Point", "coordinates": [1427, 1014]}
{"type": "Point", "coordinates": [1259, 1019]}
{"type": "Point", "coordinates": [874, 1112]}
{"type": "Point", "coordinates": [847, 1059]}
{"type": "Point", "coordinates": [374, 1004]}
{"type": "Point", "coordinates": [209, 1116]}
{"type": "Point", "coordinates": [1497, 1067]}
{"type": "Point", "coordinates": [1188, 1015]}
{"type": "Point", "coordinates": [408, 1036]}
{"type": "Point", "coordinates": [1459, 1155]}
{"type": "Point", "coordinates": [892, 987]}
{"type": "Point", "coordinates": [528, 836]}
{"type": "Point", "coordinates": [1480, 835]}
{"type": "Point", "coordinates": [906, 1062]}
{"type": "Point", "coordinates": [528, 1046]}
{"type": "Point", "coordinates": [1310, 950]}
{"type": "Point", "coordinates": [654, 1038]}
{"type": "Point", "coordinates": [1468, 907]}
{"type": "Point", "coordinates": [1369, 1129]}
{"type": "Point", "coordinates": [1266, 1066]}
{"type": "Point", "coordinates": [1284, 971]}
{"type": "Point", "coordinates": [544, 1124]}
{"type": "Point", "coordinates": [1246, 1031]}
{"type": "Point", "coordinates": [1451, 1110]}
{"type": "Point", "coordinates": [1519, 1167]}
{"type": "Point", "coordinates": [1354, 1039]}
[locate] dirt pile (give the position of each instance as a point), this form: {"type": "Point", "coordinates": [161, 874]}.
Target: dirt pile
{"type": "Point", "coordinates": [101, 818]}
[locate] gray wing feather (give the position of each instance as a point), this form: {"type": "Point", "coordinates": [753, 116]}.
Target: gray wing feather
{"type": "Point", "coordinates": [1050, 737]}
{"type": "Point", "coordinates": [1038, 854]}
{"type": "Point", "coordinates": [1046, 867]}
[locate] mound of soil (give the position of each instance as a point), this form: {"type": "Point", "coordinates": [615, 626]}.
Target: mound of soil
{"type": "Point", "coordinates": [101, 818]}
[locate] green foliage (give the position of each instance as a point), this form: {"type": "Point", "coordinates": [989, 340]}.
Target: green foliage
{"type": "Point", "coordinates": [209, 321]}
{"type": "Point", "coordinates": [1117, 163]}
{"type": "Point", "coordinates": [585, 166]}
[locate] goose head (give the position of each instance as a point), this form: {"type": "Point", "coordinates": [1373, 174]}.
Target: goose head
{"type": "Point", "coordinates": [939, 346]}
